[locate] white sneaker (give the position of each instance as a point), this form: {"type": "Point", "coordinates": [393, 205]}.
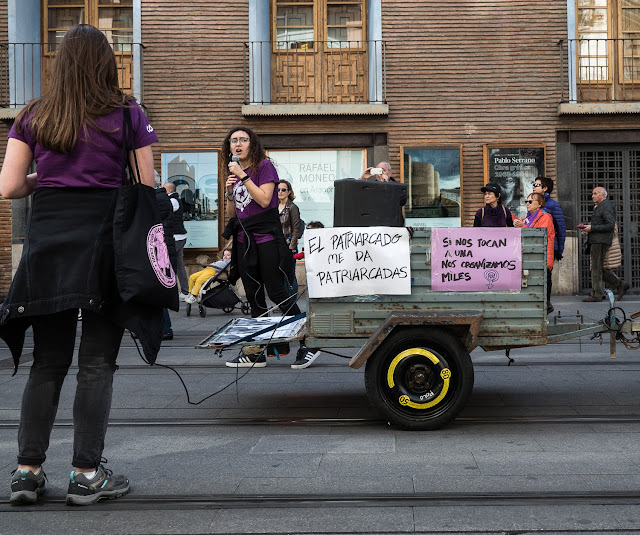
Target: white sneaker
{"type": "Point", "coordinates": [190, 298]}
{"type": "Point", "coordinates": [182, 296]}
{"type": "Point", "coordinates": [305, 359]}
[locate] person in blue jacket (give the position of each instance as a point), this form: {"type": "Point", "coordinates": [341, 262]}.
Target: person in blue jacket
{"type": "Point", "coordinates": [544, 186]}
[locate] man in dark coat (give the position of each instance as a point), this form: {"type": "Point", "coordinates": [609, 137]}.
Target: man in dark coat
{"type": "Point", "coordinates": [599, 237]}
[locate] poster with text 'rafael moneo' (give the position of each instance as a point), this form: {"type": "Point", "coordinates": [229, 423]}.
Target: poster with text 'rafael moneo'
{"type": "Point", "coordinates": [357, 261]}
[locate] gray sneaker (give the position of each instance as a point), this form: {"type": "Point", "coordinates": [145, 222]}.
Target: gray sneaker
{"type": "Point", "coordinates": [26, 486]}
{"type": "Point", "coordinates": [84, 491]}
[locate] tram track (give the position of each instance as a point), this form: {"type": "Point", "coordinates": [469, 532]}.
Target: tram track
{"type": "Point", "coordinates": [140, 503]}
{"type": "Point", "coordinates": [340, 422]}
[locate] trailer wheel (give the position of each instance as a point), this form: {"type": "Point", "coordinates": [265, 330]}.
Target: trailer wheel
{"type": "Point", "coordinates": [188, 309]}
{"type": "Point", "coordinates": [202, 311]}
{"type": "Point", "coordinates": [419, 379]}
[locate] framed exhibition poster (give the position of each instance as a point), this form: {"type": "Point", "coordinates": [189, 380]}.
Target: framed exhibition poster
{"type": "Point", "coordinates": [515, 168]}
{"type": "Point", "coordinates": [195, 175]}
{"type": "Point", "coordinates": [312, 174]}
{"type": "Point", "coordinates": [433, 176]}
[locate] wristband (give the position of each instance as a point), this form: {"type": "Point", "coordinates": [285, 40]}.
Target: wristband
{"type": "Point", "coordinates": [228, 195]}
{"type": "Point", "coordinates": [246, 177]}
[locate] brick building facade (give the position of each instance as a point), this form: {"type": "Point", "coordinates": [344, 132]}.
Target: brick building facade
{"type": "Point", "coordinates": [384, 80]}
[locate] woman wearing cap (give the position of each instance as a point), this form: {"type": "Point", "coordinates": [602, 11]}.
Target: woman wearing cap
{"type": "Point", "coordinates": [494, 213]}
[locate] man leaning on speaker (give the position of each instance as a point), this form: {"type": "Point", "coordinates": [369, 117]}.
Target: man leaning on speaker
{"type": "Point", "coordinates": [380, 173]}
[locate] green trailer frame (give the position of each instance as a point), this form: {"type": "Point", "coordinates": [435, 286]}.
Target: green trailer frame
{"type": "Point", "coordinates": [416, 347]}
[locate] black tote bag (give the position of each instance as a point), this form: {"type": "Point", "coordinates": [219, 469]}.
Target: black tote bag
{"type": "Point", "coordinates": [143, 270]}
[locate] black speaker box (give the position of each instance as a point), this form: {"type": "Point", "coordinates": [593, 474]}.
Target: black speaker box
{"type": "Point", "coordinates": [364, 203]}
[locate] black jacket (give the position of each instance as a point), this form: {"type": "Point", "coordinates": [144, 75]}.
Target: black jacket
{"type": "Point", "coordinates": [178, 216]}
{"type": "Point", "coordinates": [265, 223]}
{"type": "Point", "coordinates": [602, 222]}
{"type": "Point", "coordinates": [68, 263]}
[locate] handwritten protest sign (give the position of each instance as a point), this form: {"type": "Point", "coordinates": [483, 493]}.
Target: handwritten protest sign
{"type": "Point", "coordinates": [357, 261]}
{"type": "Point", "coordinates": [475, 259]}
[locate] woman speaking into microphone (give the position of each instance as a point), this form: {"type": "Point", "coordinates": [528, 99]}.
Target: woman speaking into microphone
{"type": "Point", "coordinates": [260, 255]}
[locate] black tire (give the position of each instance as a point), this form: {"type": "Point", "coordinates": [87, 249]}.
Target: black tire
{"type": "Point", "coordinates": [202, 310]}
{"type": "Point", "coordinates": [419, 378]}
{"type": "Point", "coordinates": [188, 309]}
{"type": "Point", "coordinates": [228, 310]}
{"type": "Point", "coordinates": [245, 308]}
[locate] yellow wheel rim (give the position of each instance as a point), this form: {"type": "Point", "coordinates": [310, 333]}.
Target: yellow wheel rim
{"type": "Point", "coordinates": [405, 400]}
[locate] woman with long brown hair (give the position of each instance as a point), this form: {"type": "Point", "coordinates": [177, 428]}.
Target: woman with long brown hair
{"type": "Point", "coordinates": [260, 254]}
{"type": "Point", "coordinates": [289, 215]}
{"type": "Point", "coordinates": [74, 132]}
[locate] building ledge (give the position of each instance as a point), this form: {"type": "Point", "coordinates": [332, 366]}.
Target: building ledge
{"type": "Point", "coordinates": [598, 108]}
{"type": "Point", "coordinates": [9, 113]}
{"type": "Point", "coordinates": [249, 110]}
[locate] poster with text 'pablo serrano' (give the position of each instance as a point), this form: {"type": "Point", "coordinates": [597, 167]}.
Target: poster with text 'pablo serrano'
{"type": "Point", "coordinates": [476, 259]}
{"type": "Point", "coordinates": [357, 261]}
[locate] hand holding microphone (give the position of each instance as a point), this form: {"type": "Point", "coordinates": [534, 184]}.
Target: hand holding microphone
{"type": "Point", "coordinates": [234, 165]}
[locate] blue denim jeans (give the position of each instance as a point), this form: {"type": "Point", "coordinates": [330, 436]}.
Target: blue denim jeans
{"type": "Point", "coordinates": [54, 338]}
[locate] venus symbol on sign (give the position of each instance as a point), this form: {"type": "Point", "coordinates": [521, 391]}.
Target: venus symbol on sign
{"type": "Point", "coordinates": [492, 276]}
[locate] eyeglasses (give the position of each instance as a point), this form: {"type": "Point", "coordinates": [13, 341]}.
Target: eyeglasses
{"type": "Point", "coordinates": [537, 185]}
{"type": "Point", "coordinates": [236, 140]}
{"type": "Point", "coordinates": [529, 201]}
{"type": "Point", "coordinates": [283, 189]}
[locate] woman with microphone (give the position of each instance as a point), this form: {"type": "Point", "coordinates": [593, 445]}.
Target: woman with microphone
{"type": "Point", "coordinates": [260, 255]}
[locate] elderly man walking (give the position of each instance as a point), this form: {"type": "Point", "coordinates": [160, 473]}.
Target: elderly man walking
{"type": "Point", "coordinates": [599, 237]}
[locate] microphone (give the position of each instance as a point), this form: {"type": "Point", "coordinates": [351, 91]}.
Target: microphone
{"type": "Point", "coordinates": [235, 158]}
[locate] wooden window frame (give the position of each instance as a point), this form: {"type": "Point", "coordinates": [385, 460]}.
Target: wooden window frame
{"type": "Point", "coordinates": [91, 16]}
{"type": "Point", "coordinates": [615, 52]}
{"type": "Point", "coordinates": [320, 22]}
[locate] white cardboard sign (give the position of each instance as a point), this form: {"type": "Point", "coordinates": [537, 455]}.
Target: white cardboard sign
{"type": "Point", "coordinates": [357, 261]}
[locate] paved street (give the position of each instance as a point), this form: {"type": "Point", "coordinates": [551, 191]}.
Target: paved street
{"type": "Point", "coordinates": [548, 444]}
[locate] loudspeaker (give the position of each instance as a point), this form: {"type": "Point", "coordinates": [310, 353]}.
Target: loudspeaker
{"type": "Point", "coordinates": [364, 203]}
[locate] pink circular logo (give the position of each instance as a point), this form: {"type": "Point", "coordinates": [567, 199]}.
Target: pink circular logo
{"type": "Point", "coordinates": [159, 256]}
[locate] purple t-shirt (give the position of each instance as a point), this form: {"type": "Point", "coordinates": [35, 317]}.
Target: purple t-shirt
{"type": "Point", "coordinates": [246, 206]}
{"type": "Point", "coordinates": [93, 163]}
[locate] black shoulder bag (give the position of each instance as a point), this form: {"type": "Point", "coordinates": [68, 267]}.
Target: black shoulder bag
{"type": "Point", "coordinates": [143, 269]}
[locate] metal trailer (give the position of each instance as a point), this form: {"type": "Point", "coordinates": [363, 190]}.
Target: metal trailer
{"type": "Point", "coordinates": [416, 347]}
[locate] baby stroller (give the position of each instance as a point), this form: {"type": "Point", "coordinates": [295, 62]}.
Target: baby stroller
{"type": "Point", "coordinates": [217, 292]}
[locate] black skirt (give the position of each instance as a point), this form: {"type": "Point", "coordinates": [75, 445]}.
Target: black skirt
{"type": "Point", "coordinates": [67, 262]}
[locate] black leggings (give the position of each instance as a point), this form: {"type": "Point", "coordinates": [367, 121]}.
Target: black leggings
{"type": "Point", "coordinates": [54, 338]}
{"type": "Point", "coordinates": [265, 274]}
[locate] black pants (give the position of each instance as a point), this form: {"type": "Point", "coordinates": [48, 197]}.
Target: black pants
{"type": "Point", "coordinates": [265, 275]}
{"type": "Point", "coordinates": [54, 338]}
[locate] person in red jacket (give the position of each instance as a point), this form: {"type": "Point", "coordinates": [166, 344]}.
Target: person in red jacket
{"type": "Point", "coordinates": [538, 218]}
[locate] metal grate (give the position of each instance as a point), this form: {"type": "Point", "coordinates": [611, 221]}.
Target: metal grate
{"type": "Point", "coordinates": [618, 171]}
{"type": "Point", "coordinates": [333, 323]}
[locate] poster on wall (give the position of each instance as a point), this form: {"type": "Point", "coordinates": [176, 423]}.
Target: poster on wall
{"type": "Point", "coordinates": [312, 174]}
{"type": "Point", "coordinates": [515, 169]}
{"type": "Point", "coordinates": [433, 183]}
{"type": "Point", "coordinates": [476, 259]}
{"type": "Point", "coordinates": [195, 175]}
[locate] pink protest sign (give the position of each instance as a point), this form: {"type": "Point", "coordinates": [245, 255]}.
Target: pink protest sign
{"type": "Point", "coordinates": [476, 259]}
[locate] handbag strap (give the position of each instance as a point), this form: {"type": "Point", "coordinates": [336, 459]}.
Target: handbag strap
{"type": "Point", "coordinates": [132, 177]}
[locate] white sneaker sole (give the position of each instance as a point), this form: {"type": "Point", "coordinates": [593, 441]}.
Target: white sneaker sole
{"type": "Point", "coordinates": [246, 364]}
{"type": "Point", "coordinates": [308, 361]}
